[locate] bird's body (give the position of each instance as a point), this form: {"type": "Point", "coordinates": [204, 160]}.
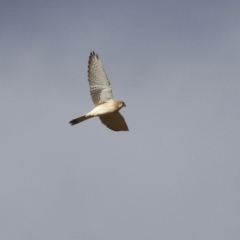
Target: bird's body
{"type": "Point", "coordinates": [105, 107]}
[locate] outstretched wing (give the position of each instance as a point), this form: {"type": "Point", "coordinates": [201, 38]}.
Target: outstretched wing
{"type": "Point", "coordinates": [100, 87]}
{"type": "Point", "coordinates": [114, 121]}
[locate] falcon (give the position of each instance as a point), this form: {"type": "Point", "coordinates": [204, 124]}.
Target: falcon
{"type": "Point", "coordinates": [106, 108]}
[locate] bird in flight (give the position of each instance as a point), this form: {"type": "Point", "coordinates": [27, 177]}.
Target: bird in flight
{"type": "Point", "coordinates": [106, 108]}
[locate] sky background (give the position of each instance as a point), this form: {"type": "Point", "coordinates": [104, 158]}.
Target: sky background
{"type": "Point", "coordinates": [174, 175]}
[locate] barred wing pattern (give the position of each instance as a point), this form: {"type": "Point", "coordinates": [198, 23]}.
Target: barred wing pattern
{"type": "Point", "coordinates": [100, 87]}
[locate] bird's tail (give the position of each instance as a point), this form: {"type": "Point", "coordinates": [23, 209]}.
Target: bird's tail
{"type": "Point", "coordinates": [79, 119]}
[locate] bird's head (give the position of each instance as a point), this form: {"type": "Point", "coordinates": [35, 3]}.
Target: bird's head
{"type": "Point", "coordinates": [121, 104]}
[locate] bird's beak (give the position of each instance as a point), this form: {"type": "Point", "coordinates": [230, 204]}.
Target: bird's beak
{"type": "Point", "coordinates": [124, 105]}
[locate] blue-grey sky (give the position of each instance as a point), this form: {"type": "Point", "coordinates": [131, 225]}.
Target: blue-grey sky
{"type": "Point", "coordinates": [174, 175]}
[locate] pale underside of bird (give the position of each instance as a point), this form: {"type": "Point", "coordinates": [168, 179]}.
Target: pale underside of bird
{"type": "Point", "coordinates": [106, 108]}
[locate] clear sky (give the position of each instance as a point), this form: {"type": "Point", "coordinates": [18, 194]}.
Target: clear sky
{"type": "Point", "coordinates": [174, 175]}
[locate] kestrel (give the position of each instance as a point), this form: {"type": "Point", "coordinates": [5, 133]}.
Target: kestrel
{"type": "Point", "coordinates": [106, 108]}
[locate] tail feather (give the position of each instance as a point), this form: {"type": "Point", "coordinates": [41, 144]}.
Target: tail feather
{"type": "Point", "coordinates": [79, 119]}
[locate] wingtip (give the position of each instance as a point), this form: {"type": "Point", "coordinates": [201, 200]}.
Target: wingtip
{"type": "Point", "coordinates": [93, 54]}
{"type": "Point", "coordinates": [118, 130]}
